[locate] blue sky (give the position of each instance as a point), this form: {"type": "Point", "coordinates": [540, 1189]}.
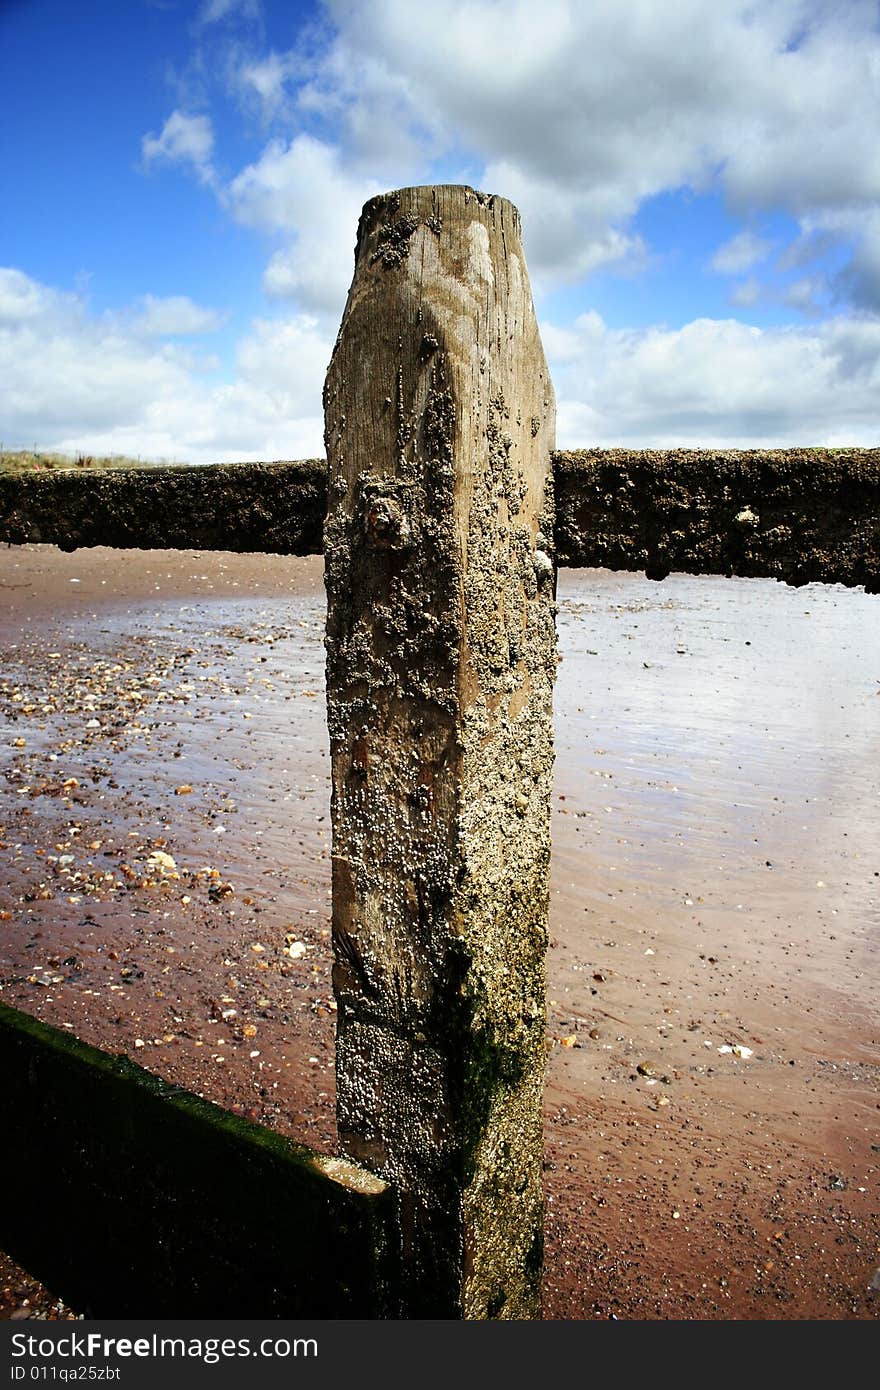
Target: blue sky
{"type": "Point", "coordinates": [699, 183]}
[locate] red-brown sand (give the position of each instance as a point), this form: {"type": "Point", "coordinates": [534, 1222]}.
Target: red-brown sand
{"type": "Point", "coordinates": [712, 1126]}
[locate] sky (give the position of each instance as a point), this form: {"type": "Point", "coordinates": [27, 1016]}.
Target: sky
{"type": "Point", "coordinates": [699, 184]}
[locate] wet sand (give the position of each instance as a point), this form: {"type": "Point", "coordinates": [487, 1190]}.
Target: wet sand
{"type": "Point", "coordinates": [712, 1109]}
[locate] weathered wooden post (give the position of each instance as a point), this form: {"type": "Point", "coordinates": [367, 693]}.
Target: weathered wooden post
{"type": "Point", "coordinates": [441, 656]}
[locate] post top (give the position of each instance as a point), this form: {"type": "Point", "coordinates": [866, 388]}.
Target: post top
{"type": "Point", "coordinates": [441, 190]}
{"type": "Point", "coordinates": [435, 203]}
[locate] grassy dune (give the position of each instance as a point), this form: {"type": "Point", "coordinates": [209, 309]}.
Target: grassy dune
{"type": "Point", "coordinates": [28, 461]}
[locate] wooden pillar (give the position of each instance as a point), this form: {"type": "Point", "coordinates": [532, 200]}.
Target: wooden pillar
{"type": "Point", "coordinates": [441, 656]}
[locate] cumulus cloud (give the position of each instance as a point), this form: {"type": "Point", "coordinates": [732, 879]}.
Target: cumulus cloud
{"type": "Point", "coordinates": [173, 316]}
{"type": "Point", "coordinates": [740, 253]}
{"type": "Point", "coordinates": [858, 281]}
{"type": "Point", "coordinates": [23, 300]}
{"type": "Point", "coordinates": [578, 113]}
{"type": "Point", "coordinates": [303, 190]}
{"type": "Point", "coordinates": [212, 11]}
{"type": "Point", "coordinates": [65, 371]}
{"type": "Point", "coordinates": [265, 79]}
{"type": "Point", "coordinates": [183, 140]}
{"type": "Point", "coordinates": [74, 380]}
{"type": "Point", "coordinates": [568, 236]}
{"type": "Point", "coordinates": [716, 382]}
{"type": "Point", "coordinates": [586, 111]}
{"type": "Point", "coordinates": [287, 360]}
{"type": "Point", "coordinates": [806, 294]}
{"type": "Point", "coordinates": [746, 293]}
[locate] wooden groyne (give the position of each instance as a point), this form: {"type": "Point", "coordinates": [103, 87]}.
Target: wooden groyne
{"type": "Point", "coordinates": [443, 513]}
{"type": "Point", "coordinates": [798, 515]}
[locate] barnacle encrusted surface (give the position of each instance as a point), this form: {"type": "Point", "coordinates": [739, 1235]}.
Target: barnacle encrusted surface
{"type": "Point", "coordinates": [440, 664]}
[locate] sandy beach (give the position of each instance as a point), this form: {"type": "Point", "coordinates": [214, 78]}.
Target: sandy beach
{"type": "Point", "coordinates": [712, 1114]}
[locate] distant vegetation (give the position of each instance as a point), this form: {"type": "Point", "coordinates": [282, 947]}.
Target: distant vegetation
{"type": "Point", "coordinates": [29, 461]}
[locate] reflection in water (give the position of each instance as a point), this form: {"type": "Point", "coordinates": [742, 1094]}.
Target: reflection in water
{"type": "Point", "coordinates": [717, 741]}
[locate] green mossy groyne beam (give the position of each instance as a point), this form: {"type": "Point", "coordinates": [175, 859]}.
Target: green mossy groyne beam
{"type": "Point", "coordinates": [797, 515]}
{"type": "Point", "coordinates": [130, 1198]}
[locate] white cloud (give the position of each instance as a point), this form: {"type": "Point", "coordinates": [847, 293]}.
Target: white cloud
{"type": "Point", "coordinates": [183, 140]}
{"type": "Point", "coordinates": [740, 253]}
{"type": "Point", "coordinates": [173, 316]}
{"type": "Point", "coordinates": [286, 359]}
{"type": "Point", "coordinates": [213, 11]}
{"type": "Point", "coordinates": [23, 299]}
{"type": "Point", "coordinates": [76, 381]}
{"type": "Point", "coordinates": [858, 282]}
{"type": "Point", "coordinates": [567, 236]}
{"type": "Point", "coordinates": [811, 246]}
{"type": "Point", "coordinates": [746, 293]}
{"type": "Point", "coordinates": [579, 113]}
{"type": "Point", "coordinates": [302, 189]}
{"type": "Point", "coordinates": [716, 383]}
{"type": "Point", "coordinates": [585, 111]}
{"type": "Point", "coordinates": [265, 80]}
{"type": "Point", "coordinates": [73, 381]}
{"type": "Point", "coordinates": [806, 294]}
{"type": "Point", "coordinates": [63, 370]}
